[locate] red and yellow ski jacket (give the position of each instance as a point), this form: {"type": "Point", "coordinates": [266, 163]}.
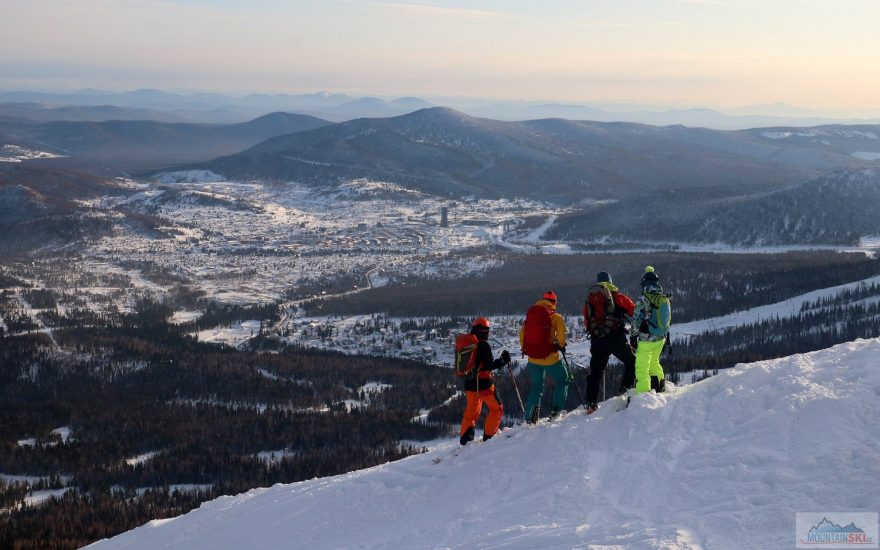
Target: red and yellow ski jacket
{"type": "Point", "coordinates": [558, 336]}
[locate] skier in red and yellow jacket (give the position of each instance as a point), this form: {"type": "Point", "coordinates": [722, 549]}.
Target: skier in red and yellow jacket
{"type": "Point", "coordinates": [542, 338]}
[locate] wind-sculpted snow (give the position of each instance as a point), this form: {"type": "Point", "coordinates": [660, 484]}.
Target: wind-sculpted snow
{"type": "Point", "coordinates": [724, 463]}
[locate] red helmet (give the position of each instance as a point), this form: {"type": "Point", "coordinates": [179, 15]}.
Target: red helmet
{"type": "Point", "coordinates": [550, 296]}
{"type": "Point", "coordinates": [482, 323]}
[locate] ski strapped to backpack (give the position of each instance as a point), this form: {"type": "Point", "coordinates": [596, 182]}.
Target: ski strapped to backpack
{"type": "Point", "coordinates": [465, 354]}
{"type": "Point", "coordinates": [538, 333]}
{"type": "Point", "coordinates": [600, 312]}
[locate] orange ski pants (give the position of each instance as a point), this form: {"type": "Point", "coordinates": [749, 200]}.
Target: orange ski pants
{"type": "Point", "coordinates": [475, 401]}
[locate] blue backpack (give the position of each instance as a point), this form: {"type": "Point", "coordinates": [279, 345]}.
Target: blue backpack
{"type": "Point", "coordinates": [661, 312]}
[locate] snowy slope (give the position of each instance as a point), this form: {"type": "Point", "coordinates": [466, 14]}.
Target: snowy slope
{"type": "Point", "coordinates": [780, 310]}
{"type": "Point", "coordinates": [724, 463]}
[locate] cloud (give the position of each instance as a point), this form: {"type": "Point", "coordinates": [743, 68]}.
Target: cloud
{"type": "Point", "coordinates": [623, 25]}
{"type": "Point", "coordinates": [705, 2]}
{"type": "Point", "coordinates": [424, 9]}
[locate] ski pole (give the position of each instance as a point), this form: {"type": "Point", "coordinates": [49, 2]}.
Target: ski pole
{"type": "Point", "coordinates": [515, 387]}
{"type": "Point", "coordinates": [570, 377]}
{"type": "Point", "coordinates": [513, 380]}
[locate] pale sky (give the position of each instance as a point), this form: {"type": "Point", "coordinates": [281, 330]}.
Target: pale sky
{"type": "Point", "coordinates": [820, 54]}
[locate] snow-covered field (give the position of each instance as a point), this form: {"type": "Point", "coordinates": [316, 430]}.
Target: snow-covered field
{"type": "Point", "coordinates": [63, 435]}
{"type": "Point", "coordinates": [866, 155]}
{"type": "Point", "coordinates": [37, 498]}
{"type": "Point", "coordinates": [722, 464]}
{"type": "Point", "coordinates": [252, 242]}
{"type": "Point", "coordinates": [141, 458]}
{"type": "Point", "coordinates": [15, 153]}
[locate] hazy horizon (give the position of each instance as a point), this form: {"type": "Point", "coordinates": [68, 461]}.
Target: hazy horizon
{"type": "Point", "coordinates": [734, 56]}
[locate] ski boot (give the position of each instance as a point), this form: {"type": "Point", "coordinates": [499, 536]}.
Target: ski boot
{"type": "Point", "coordinates": [657, 384]}
{"type": "Point", "coordinates": [467, 436]}
{"type": "Point", "coordinates": [536, 414]}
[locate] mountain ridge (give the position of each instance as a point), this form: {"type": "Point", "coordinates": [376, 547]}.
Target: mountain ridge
{"type": "Point", "coordinates": [800, 213]}
{"type": "Point", "coordinates": [194, 107]}
{"type": "Point", "coordinates": [146, 144]}
{"type": "Point", "coordinates": [446, 152]}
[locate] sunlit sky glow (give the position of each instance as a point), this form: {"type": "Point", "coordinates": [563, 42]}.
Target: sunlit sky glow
{"type": "Point", "coordinates": [820, 54]}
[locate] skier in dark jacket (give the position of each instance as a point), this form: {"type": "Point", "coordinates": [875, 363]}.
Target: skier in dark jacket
{"type": "Point", "coordinates": [480, 388]}
{"type": "Point", "coordinates": [608, 339]}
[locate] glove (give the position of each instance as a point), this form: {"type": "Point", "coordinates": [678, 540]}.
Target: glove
{"type": "Point", "coordinates": [560, 348]}
{"type": "Point", "coordinates": [634, 341]}
{"type": "Point", "coordinates": [505, 357]}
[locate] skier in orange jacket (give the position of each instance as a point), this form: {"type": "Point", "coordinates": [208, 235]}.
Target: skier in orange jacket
{"type": "Point", "coordinates": [480, 387]}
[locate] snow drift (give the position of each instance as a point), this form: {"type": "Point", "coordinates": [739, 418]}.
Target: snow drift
{"type": "Point", "coordinates": [724, 463]}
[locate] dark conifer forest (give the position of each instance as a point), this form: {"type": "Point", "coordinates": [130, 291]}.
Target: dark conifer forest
{"type": "Point", "coordinates": [203, 414]}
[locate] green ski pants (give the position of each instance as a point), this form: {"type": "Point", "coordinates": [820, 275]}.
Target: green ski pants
{"type": "Point", "coordinates": [648, 364]}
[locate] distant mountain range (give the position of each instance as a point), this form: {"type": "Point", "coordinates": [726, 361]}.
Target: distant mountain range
{"type": "Point", "coordinates": [40, 112]}
{"type": "Point", "coordinates": [219, 108]}
{"type": "Point", "coordinates": [697, 118]}
{"type": "Point", "coordinates": [446, 152]}
{"type": "Point", "coordinates": [97, 106]}
{"type": "Point", "coordinates": [133, 145]}
{"type": "Point", "coordinates": [674, 183]}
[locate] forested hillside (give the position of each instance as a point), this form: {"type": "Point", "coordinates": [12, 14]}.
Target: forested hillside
{"type": "Point", "coordinates": [703, 285]}
{"type": "Point", "coordinates": [836, 209]}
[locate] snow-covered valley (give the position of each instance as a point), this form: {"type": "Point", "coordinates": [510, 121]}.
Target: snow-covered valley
{"type": "Point", "coordinates": [258, 243]}
{"type": "Point", "coordinates": [266, 276]}
{"type": "Point", "coordinates": [252, 242]}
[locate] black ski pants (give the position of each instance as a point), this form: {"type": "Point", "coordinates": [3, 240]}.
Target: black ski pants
{"type": "Point", "coordinates": [601, 349]}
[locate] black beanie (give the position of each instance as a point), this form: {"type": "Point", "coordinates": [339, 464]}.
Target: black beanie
{"type": "Point", "coordinates": [650, 277]}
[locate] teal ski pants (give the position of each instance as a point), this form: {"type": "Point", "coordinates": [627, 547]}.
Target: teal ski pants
{"type": "Point", "coordinates": [538, 373]}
